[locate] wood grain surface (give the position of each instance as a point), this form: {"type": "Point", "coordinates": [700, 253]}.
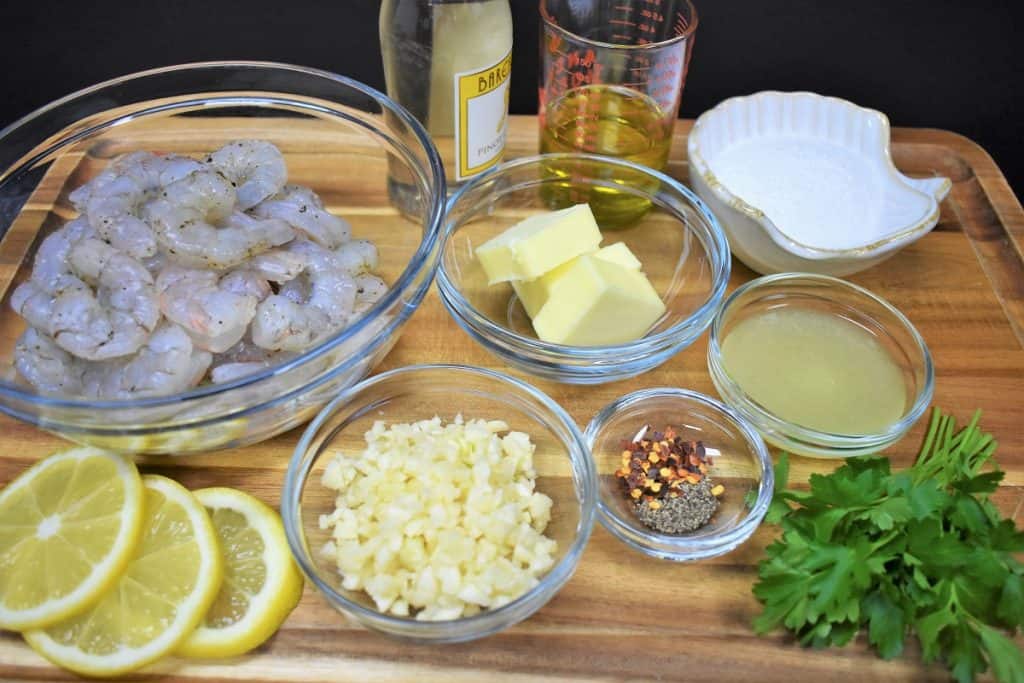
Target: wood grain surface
{"type": "Point", "coordinates": [623, 615]}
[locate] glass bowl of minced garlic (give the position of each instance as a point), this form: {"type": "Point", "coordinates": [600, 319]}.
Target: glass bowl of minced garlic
{"type": "Point", "coordinates": [440, 503]}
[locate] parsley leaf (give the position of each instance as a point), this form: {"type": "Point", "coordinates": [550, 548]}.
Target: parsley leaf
{"type": "Point", "coordinates": [921, 551]}
{"type": "Point", "coordinates": [886, 625]}
{"type": "Point", "coordinates": [1005, 657]}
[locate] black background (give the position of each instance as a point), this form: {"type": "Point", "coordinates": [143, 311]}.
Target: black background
{"type": "Point", "coordinates": [939, 63]}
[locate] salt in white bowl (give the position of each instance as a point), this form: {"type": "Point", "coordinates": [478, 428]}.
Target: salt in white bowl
{"type": "Point", "coordinates": [802, 182]}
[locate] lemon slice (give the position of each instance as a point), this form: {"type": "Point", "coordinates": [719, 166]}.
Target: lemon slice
{"type": "Point", "coordinates": [261, 582]}
{"type": "Point", "coordinates": [68, 526]}
{"type": "Point", "coordinates": [169, 584]}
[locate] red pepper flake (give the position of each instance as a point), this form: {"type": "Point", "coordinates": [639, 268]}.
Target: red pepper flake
{"type": "Point", "coordinates": [656, 464]}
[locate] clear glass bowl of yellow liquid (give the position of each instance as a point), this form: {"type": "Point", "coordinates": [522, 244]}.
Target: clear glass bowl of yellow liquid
{"type": "Point", "coordinates": [820, 366]}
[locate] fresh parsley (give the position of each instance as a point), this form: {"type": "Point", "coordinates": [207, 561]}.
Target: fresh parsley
{"type": "Point", "coordinates": [920, 551]}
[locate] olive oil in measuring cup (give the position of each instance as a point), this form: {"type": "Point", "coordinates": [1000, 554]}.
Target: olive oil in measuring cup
{"type": "Point", "coordinates": [612, 74]}
{"type": "Point", "coordinates": [611, 121]}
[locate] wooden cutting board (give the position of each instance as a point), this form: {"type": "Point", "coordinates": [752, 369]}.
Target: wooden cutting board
{"type": "Point", "coordinates": [623, 615]}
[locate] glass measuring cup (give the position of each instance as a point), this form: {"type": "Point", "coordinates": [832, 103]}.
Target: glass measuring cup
{"type": "Point", "coordinates": [611, 79]}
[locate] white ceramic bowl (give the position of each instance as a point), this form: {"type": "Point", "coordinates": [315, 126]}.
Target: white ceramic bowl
{"type": "Point", "coordinates": [832, 202]}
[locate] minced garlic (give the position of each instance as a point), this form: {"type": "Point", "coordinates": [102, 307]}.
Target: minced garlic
{"type": "Point", "coordinates": [439, 520]}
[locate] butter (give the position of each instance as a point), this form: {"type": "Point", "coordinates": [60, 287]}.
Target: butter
{"type": "Point", "coordinates": [596, 303]}
{"type": "Point", "coordinates": [619, 253]}
{"type": "Point", "coordinates": [534, 293]}
{"type": "Point", "coordinates": [539, 244]}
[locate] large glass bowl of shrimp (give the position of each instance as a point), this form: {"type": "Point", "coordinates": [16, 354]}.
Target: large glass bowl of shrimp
{"type": "Point", "coordinates": [200, 256]}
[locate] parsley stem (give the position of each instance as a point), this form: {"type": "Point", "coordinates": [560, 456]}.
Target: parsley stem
{"type": "Point", "coordinates": [930, 435]}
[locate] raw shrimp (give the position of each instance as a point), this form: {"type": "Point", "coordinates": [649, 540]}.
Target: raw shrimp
{"type": "Point", "coordinates": [278, 265]}
{"type": "Point", "coordinates": [215, 317]}
{"type": "Point", "coordinates": [52, 276]}
{"type": "Point", "coordinates": [302, 209]}
{"type": "Point", "coordinates": [167, 364]}
{"type": "Point", "coordinates": [146, 170]}
{"type": "Point", "coordinates": [178, 270]}
{"type": "Point", "coordinates": [246, 283]}
{"type": "Point", "coordinates": [357, 256]}
{"type": "Point", "coordinates": [244, 358]}
{"type": "Point", "coordinates": [186, 219]}
{"type": "Point", "coordinates": [283, 323]}
{"type": "Point", "coordinates": [46, 366]}
{"type": "Point", "coordinates": [113, 199]}
{"type": "Point", "coordinates": [255, 167]}
{"type": "Point", "coordinates": [254, 276]}
{"type": "Point", "coordinates": [227, 372]}
{"type": "Point", "coordinates": [369, 290]}
{"type": "Point", "coordinates": [51, 267]}
{"type": "Point", "coordinates": [103, 306]}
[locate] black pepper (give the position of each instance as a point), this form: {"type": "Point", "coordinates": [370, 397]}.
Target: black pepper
{"type": "Point", "coordinates": [690, 510]}
{"type": "Point", "coordinates": [667, 479]}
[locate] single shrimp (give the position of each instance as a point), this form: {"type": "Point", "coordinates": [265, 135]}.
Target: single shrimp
{"type": "Point", "coordinates": [103, 307]}
{"type": "Point", "coordinates": [195, 221]}
{"type": "Point", "coordinates": [302, 209]}
{"type": "Point", "coordinates": [255, 167]}
{"type": "Point", "coordinates": [112, 201]}
{"type": "Point", "coordinates": [215, 317]}
{"type": "Point", "coordinates": [47, 366]}
{"type": "Point", "coordinates": [167, 364]}
{"type": "Point", "coordinates": [50, 265]}
{"type": "Point", "coordinates": [283, 323]}
{"type": "Point", "coordinates": [244, 358]}
{"type": "Point", "coordinates": [278, 265]}
{"type": "Point", "coordinates": [246, 283]}
{"type": "Point", "coordinates": [357, 256]}
{"type": "Point", "coordinates": [253, 276]}
{"type": "Point", "coordinates": [51, 274]}
{"type": "Point", "coordinates": [369, 290]}
{"type": "Point", "coordinates": [228, 372]}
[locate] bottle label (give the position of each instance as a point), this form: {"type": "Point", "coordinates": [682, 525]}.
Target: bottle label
{"type": "Point", "coordinates": [481, 103]}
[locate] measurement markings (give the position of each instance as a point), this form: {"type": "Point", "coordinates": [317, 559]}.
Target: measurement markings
{"type": "Point", "coordinates": [622, 22]}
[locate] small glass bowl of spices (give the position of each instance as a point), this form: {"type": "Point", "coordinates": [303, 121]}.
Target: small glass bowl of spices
{"type": "Point", "coordinates": [682, 476]}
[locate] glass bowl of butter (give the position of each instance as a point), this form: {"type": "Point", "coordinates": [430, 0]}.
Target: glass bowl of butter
{"type": "Point", "coordinates": [560, 291]}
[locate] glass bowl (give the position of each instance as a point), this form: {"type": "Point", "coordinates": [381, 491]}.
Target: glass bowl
{"type": "Point", "coordinates": [739, 461]}
{"type": "Point", "coordinates": [565, 472]}
{"type": "Point", "coordinates": [832, 296]}
{"type": "Point", "coordinates": [679, 242]}
{"type": "Point", "coordinates": [338, 137]}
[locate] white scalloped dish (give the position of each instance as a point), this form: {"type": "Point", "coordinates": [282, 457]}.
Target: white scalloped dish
{"type": "Point", "coordinates": [803, 182]}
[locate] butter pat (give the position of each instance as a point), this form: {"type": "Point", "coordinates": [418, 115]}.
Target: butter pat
{"type": "Point", "coordinates": [539, 244]}
{"type": "Point", "coordinates": [534, 293]}
{"type": "Point", "coordinates": [619, 253]}
{"type": "Point", "coordinates": [597, 303]}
